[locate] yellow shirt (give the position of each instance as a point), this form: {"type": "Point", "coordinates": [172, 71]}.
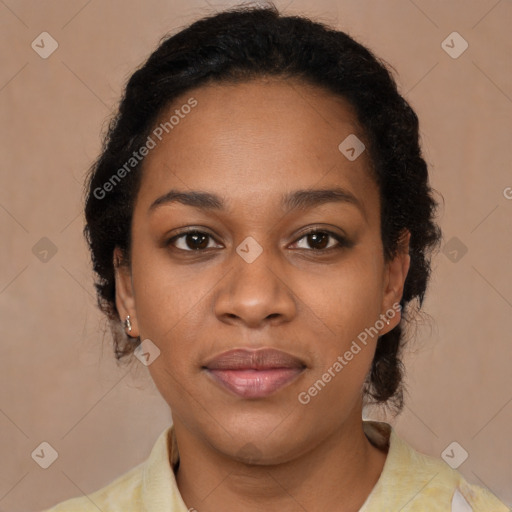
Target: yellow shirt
{"type": "Point", "coordinates": [409, 482]}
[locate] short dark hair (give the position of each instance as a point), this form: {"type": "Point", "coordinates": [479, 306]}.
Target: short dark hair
{"type": "Point", "coordinates": [245, 43]}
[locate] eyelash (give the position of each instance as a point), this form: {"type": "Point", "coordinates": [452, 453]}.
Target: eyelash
{"type": "Point", "coordinates": [342, 242]}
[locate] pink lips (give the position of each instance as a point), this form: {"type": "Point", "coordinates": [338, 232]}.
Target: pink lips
{"type": "Point", "coordinates": [254, 373]}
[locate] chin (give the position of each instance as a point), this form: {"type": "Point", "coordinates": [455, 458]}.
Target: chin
{"type": "Point", "coordinates": [254, 439]}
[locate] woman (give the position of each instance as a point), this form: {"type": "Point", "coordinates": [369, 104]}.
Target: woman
{"type": "Point", "coordinates": [261, 224]}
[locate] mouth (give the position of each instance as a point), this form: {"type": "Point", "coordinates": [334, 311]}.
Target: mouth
{"type": "Point", "coordinates": [254, 373]}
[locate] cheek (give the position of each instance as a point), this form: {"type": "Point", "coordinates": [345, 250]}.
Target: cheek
{"type": "Point", "coordinates": [349, 307]}
{"type": "Point", "coordinates": [166, 295]}
{"type": "Point", "coordinates": [350, 299]}
{"type": "Point", "coordinates": [344, 349]}
{"type": "Point", "coordinates": [171, 306]}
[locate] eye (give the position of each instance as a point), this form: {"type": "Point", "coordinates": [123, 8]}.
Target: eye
{"type": "Point", "coordinates": [319, 240]}
{"type": "Point", "coordinates": [192, 241]}
{"type": "Point", "coordinates": [197, 241]}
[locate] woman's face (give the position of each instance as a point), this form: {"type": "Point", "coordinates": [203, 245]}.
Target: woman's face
{"type": "Point", "coordinates": [251, 277]}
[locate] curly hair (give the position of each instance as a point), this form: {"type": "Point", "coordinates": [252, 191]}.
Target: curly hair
{"type": "Point", "coordinates": [245, 43]}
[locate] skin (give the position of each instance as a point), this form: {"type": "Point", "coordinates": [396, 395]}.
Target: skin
{"type": "Point", "coordinates": [250, 143]}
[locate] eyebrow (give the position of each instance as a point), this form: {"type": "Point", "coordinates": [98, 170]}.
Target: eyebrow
{"type": "Point", "coordinates": [300, 199]}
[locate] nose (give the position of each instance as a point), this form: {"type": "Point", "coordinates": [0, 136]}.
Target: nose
{"type": "Point", "coordinates": [255, 293]}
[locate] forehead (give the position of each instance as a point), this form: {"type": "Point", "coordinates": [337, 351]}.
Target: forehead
{"type": "Point", "coordinates": [254, 140]}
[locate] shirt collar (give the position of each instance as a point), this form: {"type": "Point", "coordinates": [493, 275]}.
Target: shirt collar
{"type": "Point", "coordinates": [160, 491]}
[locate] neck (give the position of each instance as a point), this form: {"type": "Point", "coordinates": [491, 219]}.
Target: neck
{"type": "Point", "coordinates": [337, 474]}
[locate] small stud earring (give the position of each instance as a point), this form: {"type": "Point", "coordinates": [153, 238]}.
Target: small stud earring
{"type": "Point", "coordinates": [128, 324]}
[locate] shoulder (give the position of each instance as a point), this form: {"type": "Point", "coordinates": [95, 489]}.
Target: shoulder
{"type": "Point", "coordinates": [440, 488]}
{"type": "Point", "coordinates": [414, 482]}
{"type": "Point", "coordinates": [146, 486]}
{"type": "Point", "coordinates": [122, 494]}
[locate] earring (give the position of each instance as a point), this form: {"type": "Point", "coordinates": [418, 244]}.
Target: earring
{"type": "Point", "coordinates": [128, 324]}
{"type": "Point", "coordinates": [387, 321]}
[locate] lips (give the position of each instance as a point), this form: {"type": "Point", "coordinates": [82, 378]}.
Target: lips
{"type": "Point", "coordinates": [254, 373]}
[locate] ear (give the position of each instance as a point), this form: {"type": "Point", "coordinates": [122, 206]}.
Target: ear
{"type": "Point", "coordinates": [125, 300]}
{"type": "Point", "coordinates": [394, 280]}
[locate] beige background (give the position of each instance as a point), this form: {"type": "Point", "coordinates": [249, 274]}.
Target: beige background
{"type": "Point", "coordinates": [60, 382]}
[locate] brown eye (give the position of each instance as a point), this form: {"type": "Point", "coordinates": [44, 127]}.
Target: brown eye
{"type": "Point", "coordinates": [191, 241]}
{"type": "Point", "coordinates": [319, 241]}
